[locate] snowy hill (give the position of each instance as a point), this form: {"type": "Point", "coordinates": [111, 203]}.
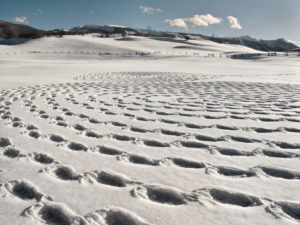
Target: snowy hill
{"type": "Point", "coordinates": [90, 46]}
{"type": "Point", "coordinates": [10, 30]}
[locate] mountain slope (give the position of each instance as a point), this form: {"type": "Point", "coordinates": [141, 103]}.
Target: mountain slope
{"type": "Point", "coordinates": [266, 45]}
{"type": "Point", "coordinates": [257, 44]}
{"type": "Point", "coordinates": [12, 30]}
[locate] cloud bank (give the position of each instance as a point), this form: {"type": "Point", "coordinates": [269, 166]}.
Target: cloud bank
{"type": "Point", "coordinates": [21, 19]}
{"type": "Point", "coordinates": [149, 10]}
{"type": "Point", "coordinates": [234, 22]}
{"type": "Point", "coordinates": [204, 20]}
{"type": "Point", "coordinates": [196, 20]}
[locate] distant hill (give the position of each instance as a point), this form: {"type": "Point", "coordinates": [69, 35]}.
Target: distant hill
{"type": "Point", "coordinates": [11, 30]}
{"type": "Point", "coordinates": [257, 44]}
{"type": "Point", "coordinates": [261, 45]}
{"type": "Point", "coordinates": [106, 29]}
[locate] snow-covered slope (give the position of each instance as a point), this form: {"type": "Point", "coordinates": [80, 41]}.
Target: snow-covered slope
{"type": "Point", "coordinates": [71, 46]}
{"type": "Point", "coordinates": [91, 42]}
{"type": "Point", "coordinates": [164, 139]}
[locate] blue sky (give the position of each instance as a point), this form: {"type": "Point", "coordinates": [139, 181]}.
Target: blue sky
{"type": "Point", "coordinates": [266, 19]}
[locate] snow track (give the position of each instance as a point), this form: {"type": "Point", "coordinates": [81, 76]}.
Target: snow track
{"type": "Point", "coordinates": [174, 141]}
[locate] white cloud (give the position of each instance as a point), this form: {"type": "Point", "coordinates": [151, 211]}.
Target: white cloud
{"type": "Point", "coordinates": [234, 22]}
{"type": "Point", "coordinates": [148, 10]}
{"type": "Point", "coordinates": [204, 20]}
{"type": "Point", "coordinates": [178, 22]}
{"type": "Point", "coordinates": [40, 11]}
{"type": "Point", "coordinates": [196, 20]}
{"type": "Point", "coordinates": [21, 19]}
{"type": "Point", "coordinates": [91, 12]}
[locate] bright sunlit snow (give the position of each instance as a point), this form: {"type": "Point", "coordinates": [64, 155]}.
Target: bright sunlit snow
{"type": "Point", "coordinates": [137, 130]}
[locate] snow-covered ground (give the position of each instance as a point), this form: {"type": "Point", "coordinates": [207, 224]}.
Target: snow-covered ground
{"type": "Point", "coordinates": [94, 132]}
